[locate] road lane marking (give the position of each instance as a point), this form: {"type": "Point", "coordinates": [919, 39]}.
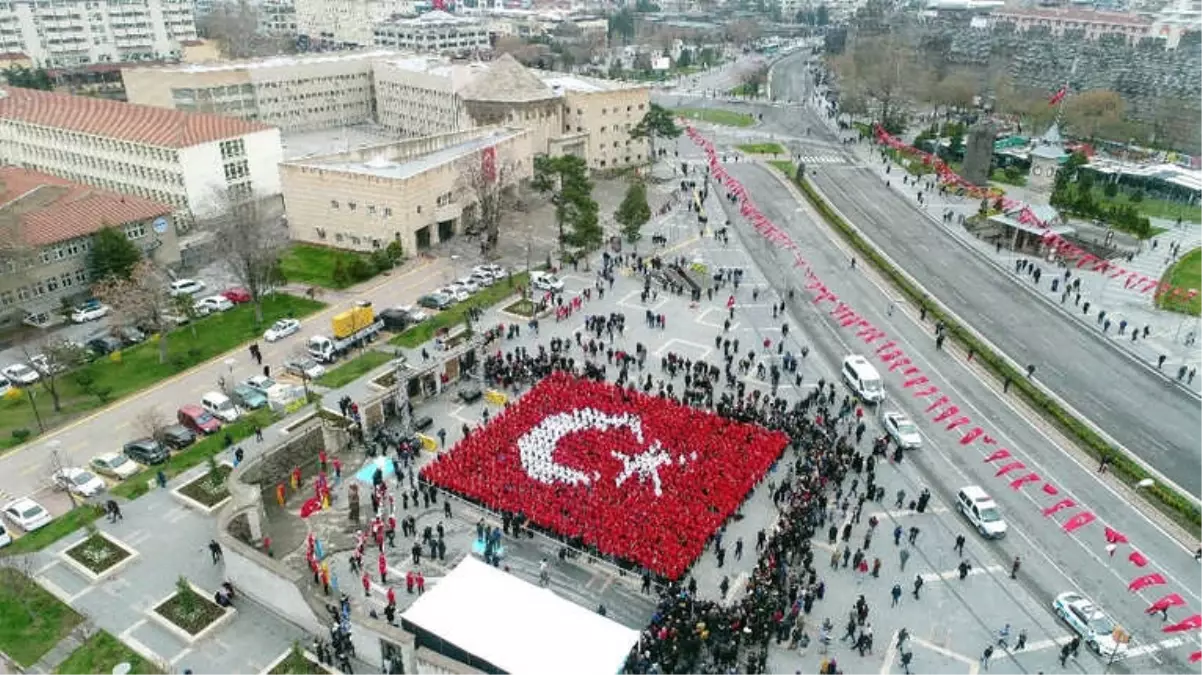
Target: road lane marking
{"type": "Point", "coordinates": [955, 574]}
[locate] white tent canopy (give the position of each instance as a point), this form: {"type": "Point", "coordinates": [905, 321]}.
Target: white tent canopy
{"type": "Point", "coordinates": [517, 626]}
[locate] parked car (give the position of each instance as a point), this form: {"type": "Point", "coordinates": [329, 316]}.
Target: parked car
{"type": "Point", "coordinates": [186, 287]}
{"type": "Point", "coordinates": [47, 366]}
{"type": "Point", "coordinates": [103, 344]}
{"type": "Point", "coordinates": [79, 481]}
{"type": "Point", "coordinates": [455, 293]}
{"type": "Point", "coordinates": [20, 374]}
{"type": "Point", "coordinates": [177, 436]}
{"type": "Point", "coordinates": [145, 451]}
{"type": "Point", "coordinates": [27, 514]}
{"type": "Point", "coordinates": [435, 301]}
{"type": "Point", "coordinates": [304, 368]}
{"type": "Point", "coordinates": [5, 537]}
{"type": "Point", "coordinates": [129, 335]}
{"type": "Point", "coordinates": [247, 397]}
{"type": "Point", "coordinates": [198, 420]}
{"type": "Point", "coordinates": [416, 315]}
{"type": "Point", "coordinates": [467, 285]}
{"type": "Point", "coordinates": [482, 278]}
{"type": "Point", "coordinates": [281, 329]}
{"type": "Point", "coordinates": [220, 406]}
{"type": "Point", "coordinates": [91, 311]}
{"type": "Point", "coordinates": [5, 385]}
{"type": "Point", "coordinates": [496, 271]}
{"type": "Point", "coordinates": [394, 319]}
{"type": "Point", "coordinates": [266, 386]}
{"type": "Point", "coordinates": [213, 303]}
{"type": "Point", "coordinates": [236, 295]}
{"type": "Point", "coordinates": [114, 465]}
{"type": "Point", "coordinates": [545, 282]}
{"type": "Point", "coordinates": [1088, 620]}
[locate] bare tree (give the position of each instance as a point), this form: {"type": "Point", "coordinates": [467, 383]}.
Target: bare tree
{"type": "Point", "coordinates": [237, 28]}
{"type": "Point", "coordinates": [53, 359]}
{"type": "Point", "coordinates": [742, 31]}
{"type": "Point", "coordinates": [956, 91]}
{"type": "Point", "coordinates": [489, 177]}
{"type": "Point", "coordinates": [885, 72]}
{"type": "Point", "coordinates": [152, 423]}
{"type": "Point", "coordinates": [249, 238]}
{"type": "Point", "coordinates": [141, 299]}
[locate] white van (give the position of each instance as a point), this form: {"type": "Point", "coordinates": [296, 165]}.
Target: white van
{"type": "Point", "coordinates": [980, 510]}
{"type": "Point", "coordinates": [5, 537]}
{"type": "Point", "coordinates": [863, 379]}
{"type": "Point", "coordinates": [220, 406]}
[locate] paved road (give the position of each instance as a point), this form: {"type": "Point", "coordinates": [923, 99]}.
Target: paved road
{"type": "Point", "coordinates": [1054, 561]}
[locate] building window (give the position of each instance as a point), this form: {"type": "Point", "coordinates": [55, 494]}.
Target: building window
{"type": "Point", "coordinates": [7, 298]}
{"type": "Point", "coordinates": [352, 205]}
{"type": "Point", "coordinates": [419, 208]}
{"type": "Point", "coordinates": [81, 276]}
{"type": "Point", "coordinates": [232, 149]}
{"type": "Point", "coordinates": [371, 210]}
{"type": "Point", "coordinates": [333, 203]}
{"type": "Point", "coordinates": [387, 211]}
{"type": "Point", "coordinates": [135, 230]}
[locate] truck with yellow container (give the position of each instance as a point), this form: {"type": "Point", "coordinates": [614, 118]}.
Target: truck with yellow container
{"type": "Point", "coordinates": [354, 327]}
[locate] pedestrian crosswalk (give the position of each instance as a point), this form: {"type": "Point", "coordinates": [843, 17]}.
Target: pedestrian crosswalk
{"type": "Point", "coordinates": [822, 159]}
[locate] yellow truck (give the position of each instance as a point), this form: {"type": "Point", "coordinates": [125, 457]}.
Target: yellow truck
{"type": "Point", "coordinates": [352, 328]}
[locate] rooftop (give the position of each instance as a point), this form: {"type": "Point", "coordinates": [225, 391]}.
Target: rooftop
{"type": "Point", "coordinates": [506, 81]}
{"type": "Point", "coordinates": [1073, 14]}
{"type": "Point", "coordinates": [567, 82]}
{"type": "Point", "coordinates": [302, 144]}
{"type": "Point", "coordinates": [283, 61]}
{"type": "Point", "coordinates": [147, 125]}
{"type": "Point", "coordinates": [382, 167]}
{"type": "Point", "coordinates": [49, 209]}
{"type": "Point", "coordinates": [434, 18]}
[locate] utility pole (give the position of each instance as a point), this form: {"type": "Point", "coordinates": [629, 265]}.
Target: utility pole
{"type": "Point", "coordinates": [34, 404]}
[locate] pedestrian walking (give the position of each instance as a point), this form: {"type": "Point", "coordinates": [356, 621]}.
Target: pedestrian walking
{"type": "Point", "coordinates": [905, 661]}
{"type": "Point", "coordinates": [959, 547]}
{"type": "Point", "coordinates": [1014, 568]}
{"type": "Point", "coordinates": [1064, 652]}
{"type": "Point", "coordinates": [1022, 641]}
{"type": "Point", "coordinates": [904, 555]}
{"type": "Point", "coordinates": [913, 534]}
{"type": "Point", "coordinates": [215, 551]}
{"type": "Point", "coordinates": [964, 568]}
{"type": "Point", "coordinates": [897, 535]}
{"type": "Point", "coordinates": [918, 582]}
{"type": "Point", "coordinates": [988, 654]}
{"type": "Point", "coordinates": [1003, 637]}
{"type": "Point", "coordinates": [896, 593]}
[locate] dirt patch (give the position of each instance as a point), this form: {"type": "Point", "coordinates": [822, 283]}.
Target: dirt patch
{"type": "Point", "coordinates": [209, 489]}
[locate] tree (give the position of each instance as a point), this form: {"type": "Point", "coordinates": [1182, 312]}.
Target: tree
{"type": "Point", "coordinates": [621, 26]}
{"type": "Point", "coordinates": [184, 306]}
{"type": "Point", "coordinates": [565, 179]}
{"type": "Point", "coordinates": [656, 123]}
{"type": "Point", "coordinates": [685, 59]}
{"type": "Point", "coordinates": [634, 211]}
{"type": "Point", "coordinates": [29, 78]}
{"type": "Point", "coordinates": [237, 28]}
{"type": "Point", "coordinates": [151, 423]}
{"type": "Point", "coordinates": [883, 71]}
{"type": "Point", "coordinates": [822, 15]}
{"type": "Point", "coordinates": [742, 31]}
{"type": "Point", "coordinates": [141, 298]}
{"type": "Point", "coordinates": [956, 91]}
{"type": "Point", "coordinates": [112, 255]}
{"type": "Point", "coordinates": [489, 176]}
{"type": "Point", "coordinates": [1092, 113]}
{"type": "Point", "coordinates": [754, 80]}
{"type": "Point", "coordinates": [55, 358]}
{"type": "Point", "coordinates": [249, 238]}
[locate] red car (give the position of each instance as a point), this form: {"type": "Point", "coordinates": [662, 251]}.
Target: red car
{"type": "Point", "coordinates": [236, 295]}
{"type": "Point", "coordinates": [198, 420]}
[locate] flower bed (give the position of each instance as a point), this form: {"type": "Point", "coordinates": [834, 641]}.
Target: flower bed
{"type": "Point", "coordinates": [638, 477]}
{"type": "Point", "coordinates": [98, 554]}
{"type": "Point", "coordinates": [190, 614]}
{"type": "Point", "coordinates": [294, 663]}
{"type": "Point", "coordinates": [209, 490]}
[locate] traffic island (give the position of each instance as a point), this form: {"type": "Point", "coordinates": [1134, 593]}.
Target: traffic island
{"type": "Point", "coordinates": [189, 612]}
{"type": "Point", "coordinates": [206, 493]}
{"type": "Point", "coordinates": [98, 556]}
{"type": "Point", "coordinates": [296, 661]}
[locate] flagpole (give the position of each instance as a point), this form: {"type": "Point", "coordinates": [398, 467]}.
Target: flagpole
{"type": "Point", "coordinates": [1060, 104]}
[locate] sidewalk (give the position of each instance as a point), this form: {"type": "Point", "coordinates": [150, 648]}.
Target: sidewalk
{"type": "Point", "coordinates": [1167, 331]}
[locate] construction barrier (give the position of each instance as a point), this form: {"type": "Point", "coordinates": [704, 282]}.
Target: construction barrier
{"type": "Point", "coordinates": [495, 397]}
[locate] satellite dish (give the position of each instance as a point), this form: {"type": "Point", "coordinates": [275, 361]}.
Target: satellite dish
{"type": "Point", "coordinates": [122, 668]}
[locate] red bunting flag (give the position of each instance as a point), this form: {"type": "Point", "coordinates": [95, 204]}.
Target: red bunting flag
{"type": "Point", "coordinates": [1146, 580]}
{"type": "Point", "coordinates": [1062, 504]}
{"type": "Point", "coordinates": [1058, 96]}
{"type": "Point", "coordinates": [1012, 466]}
{"type": "Point", "coordinates": [1049, 489]}
{"type": "Point", "coordinates": [1113, 536]}
{"type": "Point", "coordinates": [1078, 521]}
{"type": "Point", "coordinates": [1195, 657]}
{"type": "Point", "coordinates": [1002, 453]}
{"type": "Point", "coordinates": [1138, 559]}
{"type": "Point", "coordinates": [1192, 623]}
{"type": "Point", "coordinates": [1170, 600]}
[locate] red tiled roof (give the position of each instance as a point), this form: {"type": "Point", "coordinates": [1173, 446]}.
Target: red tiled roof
{"type": "Point", "coordinates": [162, 127]}
{"type": "Point", "coordinates": [57, 210]}
{"type": "Point", "coordinates": [13, 56]}
{"type": "Point", "coordinates": [1083, 15]}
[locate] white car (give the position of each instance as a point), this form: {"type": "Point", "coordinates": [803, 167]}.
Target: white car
{"type": "Point", "coordinates": [543, 281]}
{"type": "Point", "coordinates": [482, 278]}
{"type": "Point", "coordinates": [27, 514]}
{"type": "Point", "coordinates": [114, 465]}
{"type": "Point", "coordinates": [5, 385]}
{"type": "Point", "coordinates": [304, 368]}
{"type": "Point", "coordinates": [495, 271]}
{"type": "Point", "coordinates": [467, 284]}
{"type": "Point", "coordinates": [266, 386]}
{"type": "Point", "coordinates": [1090, 622]}
{"type": "Point", "coordinates": [89, 312]}
{"type": "Point", "coordinates": [902, 430]}
{"type": "Point", "coordinates": [186, 287]}
{"type": "Point", "coordinates": [454, 292]}
{"type": "Point", "coordinates": [416, 314]}
{"type": "Point", "coordinates": [281, 329]}
{"type": "Point", "coordinates": [21, 374]}
{"type": "Point", "coordinates": [79, 481]}
{"type": "Point", "coordinates": [213, 303]}
{"type": "Point", "coordinates": [45, 366]}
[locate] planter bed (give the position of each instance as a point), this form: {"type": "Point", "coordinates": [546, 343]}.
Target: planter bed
{"type": "Point", "coordinates": [206, 616]}
{"type": "Point", "coordinates": [203, 493]}
{"type": "Point", "coordinates": [98, 556]}
{"type": "Point", "coordinates": [523, 308]}
{"type": "Point", "coordinates": [290, 663]}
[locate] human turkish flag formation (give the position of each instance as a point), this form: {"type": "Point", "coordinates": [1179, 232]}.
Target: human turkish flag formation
{"type": "Point", "coordinates": [639, 477]}
{"type": "Point", "coordinates": [1074, 518]}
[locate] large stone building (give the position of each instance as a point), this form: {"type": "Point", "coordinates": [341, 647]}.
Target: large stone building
{"type": "Point", "coordinates": [190, 161]}
{"type": "Point", "coordinates": [417, 192]}
{"type": "Point", "coordinates": [346, 23]}
{"type": "Point", "coordinates": [73, 32]}
{"type": "Point", "coordinates": [301, 93]}
{"type": "Point", "coordinates": [49, 223]}
{"type": "Point", "coordinates": [1131, 27]}
{"type": "Point", "coordinates": [436, 32]}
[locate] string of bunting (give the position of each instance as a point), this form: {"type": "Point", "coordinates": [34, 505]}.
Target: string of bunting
{"type": "Point", "coordinates": [1072, 517]}
{"type": "Point", "coordinates": [1064, 248]}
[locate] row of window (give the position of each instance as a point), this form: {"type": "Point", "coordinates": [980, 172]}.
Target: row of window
{"type": "Point", "coordinates": [67, 249]}
{"type": "Point", "coordinates": [46, 286]}
{"type": "Point", "coordinates": [602, 163]}
{"type": "Point", "coordinates": [67, 159]}
{"type": "Point", "coordinates": [59, 137]}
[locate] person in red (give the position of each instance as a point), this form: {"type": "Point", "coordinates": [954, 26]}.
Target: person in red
{"type": "Point", "coordinates": [337, 471]}
{"type": "Point", "coordinates": [297, 478]}
{"type": "Point", "coordinates": [409, 582]}
{"type": "Point", "coordinates": [366, 585]}
{"type": "Point", "coordinates": [382, 564]}
{"type": "Point", "coordinates": [391, 597]}
{"type": "Point", "coordinates": [421, 583]}
{"type": "Point", "coordinates": [280, 494]}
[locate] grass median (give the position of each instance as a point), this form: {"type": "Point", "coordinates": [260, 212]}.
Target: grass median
{"type": "Point", "coordinates": [32, 620]}
{"type": "Point", "coordinates": [349, 371]}
{"type": "Point", "coordinates": [716, 116]}
{"type": "Point", "coordinates": [762, 148]}
{"type": "Point", "coordinates": [1186, 274]}
{"type": "Point", "coordinates": [113, 377]}
{"type": "Point", "coordinates": [325, 267]}
{"type": "Point", "coordinates": [1176, 506]}
{"type": "Point", "coordinates": [140, 483]}
{"type": "Point", "coordinates": [101, 653]}
{"type": "Point", "coordinates": [54, 530]}
{"type": "Point", "coordinates": [416, 336]}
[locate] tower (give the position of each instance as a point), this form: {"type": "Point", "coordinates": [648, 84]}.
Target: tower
{"type": "Point", "coordinates": [1046, 158]}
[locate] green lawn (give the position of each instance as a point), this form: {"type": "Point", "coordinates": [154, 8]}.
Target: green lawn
{"type": "Point", "coordinates": [745, 90]}
{"type": "Point", "coordinates": [1185, 273]}
{"type": "Point", "coordinates": [314, 265]}
{"type": "Point", "coordinates": [138, 367]}
{"type": "Point", "coordinates": [349, 371]}
{"type": "Point", "coordinates": [784, 166]}
{"type": "Point", "coordinates": [1153, 208]}
{"type": "Point", "coordinates": [198, 453]}
{"type": "Point", "coordinates": [101, 653]}
{"type": "Point", "coordinates": [56, 529]}
{"type": "Point", "coordinates": [423, 332]}
{"type": "Point", "coordinates": [31, 620]}
{"type": "Point", "coordinates": [762, 148]}
{"type": "Point", "coordinates": [716, 116]}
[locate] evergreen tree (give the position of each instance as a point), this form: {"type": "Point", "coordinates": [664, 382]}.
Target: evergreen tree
{"type": "Point", "coordinates": [657, 123]}
{"type": "Point", "coordinates": [634, 211]}
{"type": "Point", "coordinates": [112, 255]}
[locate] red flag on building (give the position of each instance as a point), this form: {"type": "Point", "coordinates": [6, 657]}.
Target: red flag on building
{"type": "Point", "coordinates": [1058, 96]}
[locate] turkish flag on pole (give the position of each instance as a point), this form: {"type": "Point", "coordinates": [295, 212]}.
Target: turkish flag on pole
{"type": "Point", "coordinates": [1170, 600]}
{"type": "Point", "coordinates": [1058, 96]}
{"type": "Point", "coordinates": [639, 477]}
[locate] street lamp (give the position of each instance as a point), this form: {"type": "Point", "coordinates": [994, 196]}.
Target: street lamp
{"type": "Point", "coordinates": [221, 381]}
{"type": "Point", "coordinates": [34, 404]}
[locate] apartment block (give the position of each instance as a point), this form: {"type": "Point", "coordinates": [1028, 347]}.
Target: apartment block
{"type": "Point", "coordinates": [603, 112]}
{"type": "Point", "coordinates": [437, 32]}
{"type": "Point", "coordinates": [1092, 23]}
{"type": "Point", "coordinates": [190, 161]}
{"type": "Point", "coordinates": [301, 93]}
{"type": "Point", "coordinates": [416, 191]}
{"type": "Point", "coordinates": [347, 23]}
{"type": "Point", "coordinates": [66, 33]}
{"type": "Point", "coordinates": [50, 222]}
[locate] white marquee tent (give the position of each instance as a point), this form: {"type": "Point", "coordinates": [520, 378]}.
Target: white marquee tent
{"type": "Point", "coordinates": [516, 626]}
